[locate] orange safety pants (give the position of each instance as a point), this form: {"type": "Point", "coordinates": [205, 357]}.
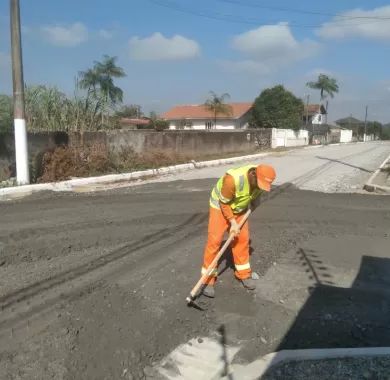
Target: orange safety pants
{"type": "Point", "coordinates": [218, 225]}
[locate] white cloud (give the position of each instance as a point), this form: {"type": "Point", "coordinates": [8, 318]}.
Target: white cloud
{"type": "Point", "coordinates": [157, 47]}
{"type": "Point", "coordinates": [370, 24]}
{"type": "Point", "coordinates": [105, 34]}
{"type": "Point", "coordinates": [67, 36]}
{"type": "Point", "coordinates": [270, 47]}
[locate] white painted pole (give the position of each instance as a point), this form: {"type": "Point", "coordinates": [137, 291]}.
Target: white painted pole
{"type": "Point", "coordinates": [21, 151]}
{"type": "Point", "coordinates": [365, 126]}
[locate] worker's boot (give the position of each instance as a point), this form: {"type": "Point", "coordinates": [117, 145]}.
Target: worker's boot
{"type": "Point", "coordinates": [249, 283]}
{"type": "Point", "coordinates": [209, 291]}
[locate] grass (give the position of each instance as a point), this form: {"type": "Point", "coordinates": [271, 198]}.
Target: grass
{"type": "Point", "coordinates": [67, 162]}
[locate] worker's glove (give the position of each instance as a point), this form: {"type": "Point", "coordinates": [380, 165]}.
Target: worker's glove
{"type": "Point", "coordinates": [234, 227]}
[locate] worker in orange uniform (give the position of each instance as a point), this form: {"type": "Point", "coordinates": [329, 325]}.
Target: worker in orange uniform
{"type": "Point", "coordinates": [230, 198]}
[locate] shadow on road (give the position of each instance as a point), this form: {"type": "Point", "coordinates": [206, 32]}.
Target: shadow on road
{"type": "Point", "coordinates": [346, 317]}
{"type": "Point", "coordinates": [314, 267]}
{"type": "Point", "coordinates": [222, 340]}
{"type": "Point", "coordinates": [335, 317]}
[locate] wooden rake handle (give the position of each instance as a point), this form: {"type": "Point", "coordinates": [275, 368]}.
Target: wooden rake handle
{"type": "Point", "coordinates": [214, 263]}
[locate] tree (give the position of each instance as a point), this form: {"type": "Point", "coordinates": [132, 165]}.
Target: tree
{"type": "Point", "coordinates": [108, 70]}
{"type": "Point", "coordinates": [6, 114]}
{"type": "Point", "coordinates": [130, 111]}
{"type": "Point", "coordinates": [373, 128]}
{"type": "Point", "coordinates": [327, 86]}
{"type": "Point", "coordinates": [277, 108]}
{"type": "Point", "coordinates": [385, 132]}
{"type": "Point", "coordinates": [160, 124]}
{"type": "Point", "coordinates": [216, 104]}
{"type": "Point", "coordinates": [156, 123]}
{"type": "Point", "coordinates": [99, 81]}
{"type": "Point", "coordinates": [89, 80]}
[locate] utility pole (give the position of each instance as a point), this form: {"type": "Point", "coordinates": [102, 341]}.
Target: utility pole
{"type": "Point", "coordinates": [365, 125]}
{"type": "Point", "coordinates": [307, 109]}
{"type": "Point", "coordinates": [21, 152]}
{"type": "Point", "coordinates": [326, 112]}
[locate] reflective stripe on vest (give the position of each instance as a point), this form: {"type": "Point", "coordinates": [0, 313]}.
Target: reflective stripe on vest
{"type": "Point", "coordinates": [242, 197]}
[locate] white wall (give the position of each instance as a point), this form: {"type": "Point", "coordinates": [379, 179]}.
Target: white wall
{"type": "Point", "coordinates": [289, 137]}
{"type": "Point", "coordinates": [318, 119]}
{"type": "Point", "coordinates": [201, 124]}
{"type": "Point", "coordinates": [345, 135]}
{"type": "Point", "coordinates": [369, 138]}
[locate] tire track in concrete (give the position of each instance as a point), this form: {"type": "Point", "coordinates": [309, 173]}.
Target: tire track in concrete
{"type": "Point", "coordinates": [66, 277]}
{"type": "Point", "coordinates": [309, 176]}
{"type": "Point", "coordinates": [77, 279]}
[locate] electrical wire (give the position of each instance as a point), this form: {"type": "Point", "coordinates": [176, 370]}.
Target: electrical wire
{"type": "Point", "coordinates": [252, 21]}
{"type": "Point", "coordinates": [302, 11]}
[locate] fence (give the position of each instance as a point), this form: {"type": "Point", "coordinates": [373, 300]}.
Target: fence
{"type": "Point", "coordinates": [345, 135]}
{"type": "Point", "coordinates": [186, 143]}
{"type": "Point", "coordinates": [328, 134]}
{"type": "Point", "coordinates": [289, 138]}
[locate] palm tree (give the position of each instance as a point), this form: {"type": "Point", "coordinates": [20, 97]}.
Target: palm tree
{"type": "Point", "coordinates": [99, 82]}
{"type": "Point", "coordinates": [108, 70]}
{"type": "Point", "coordinates": [327, 86]}
{"type": "Point", "coordinates": [216, 104]}
{"type": "Point", "coordinates": [89, 80]}
{"type": "Point", "coordinates": [108, 67]}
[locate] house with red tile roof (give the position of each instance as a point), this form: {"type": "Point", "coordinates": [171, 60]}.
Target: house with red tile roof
{"type": "Point", "coordinates": [199, 117]}
{"type": "Point", "coordinates": [315, 114]}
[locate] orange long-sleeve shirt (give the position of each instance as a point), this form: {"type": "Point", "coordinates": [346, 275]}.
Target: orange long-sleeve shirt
{"type": "Point", "coordinates": [228, 191]}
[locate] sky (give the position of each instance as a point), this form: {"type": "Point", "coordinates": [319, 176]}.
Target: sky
{"type": "Point", "coordinates": [177, 51]}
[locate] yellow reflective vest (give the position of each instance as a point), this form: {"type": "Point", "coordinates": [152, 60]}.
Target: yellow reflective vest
{"type": "Point", "coordinates": [243, 195]}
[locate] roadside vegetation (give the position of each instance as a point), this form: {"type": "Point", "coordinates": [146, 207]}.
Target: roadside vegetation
{"type": "Point", "coordinates": [97, 105]}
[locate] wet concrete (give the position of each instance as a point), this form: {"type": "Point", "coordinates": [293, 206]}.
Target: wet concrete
{"type": "Point", "coordinates": [93, 286]}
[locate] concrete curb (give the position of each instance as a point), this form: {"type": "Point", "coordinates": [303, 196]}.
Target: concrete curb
{"type": "Point", "coordinates": [21, 191]}
{"type": "Point", "coordinates": [370, 186]}
{"type": "Point", "coordinates": [259, 367]}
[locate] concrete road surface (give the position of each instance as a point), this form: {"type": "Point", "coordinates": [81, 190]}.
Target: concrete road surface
{"type": "Point", "coordinates": [92, 286]}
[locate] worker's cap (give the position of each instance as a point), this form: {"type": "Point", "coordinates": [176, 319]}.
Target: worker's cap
{"type": "Point", "coordinates": [265, 176]}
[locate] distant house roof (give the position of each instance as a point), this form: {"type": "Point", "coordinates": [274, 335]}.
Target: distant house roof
{"type": "Point", "coordinates": [349, 121]}
{"type": "Point", "coordinates": [314, 109]}
{"type": "Point", "coordinates": [199, 111]}
{"type": "Point", "coordinates": [129, 121]}
{"type": "Point", "coordinates": [338, 127]}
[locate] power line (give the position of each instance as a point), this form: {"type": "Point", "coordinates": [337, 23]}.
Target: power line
{"type": "Point", "coordinates": [302, 11]}
{"type": "Point", "coordinates": [250, 21]}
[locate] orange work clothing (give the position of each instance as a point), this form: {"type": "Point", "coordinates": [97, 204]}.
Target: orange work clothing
{"type": "Point", "coordinates": [228, 191]}
{"type": "Point", "coordinates": [218, 225]}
